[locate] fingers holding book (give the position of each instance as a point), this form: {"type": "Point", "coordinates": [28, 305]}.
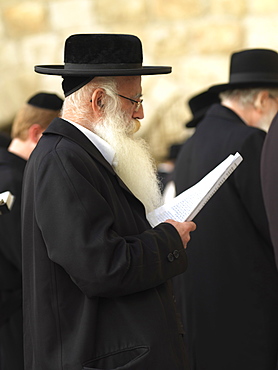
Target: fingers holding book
{"type": "Point", "coordinates": [184, 229]}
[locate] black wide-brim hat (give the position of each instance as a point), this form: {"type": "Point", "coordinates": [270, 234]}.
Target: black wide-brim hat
{"type": "Point", "coordinates": [251, 68]}
{"type": "Point", "coordinates": [102, 55]}
{"type": "Point", "coordinates": [199, 104]}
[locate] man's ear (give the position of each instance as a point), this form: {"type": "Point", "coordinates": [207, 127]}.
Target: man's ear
{"type": "Point", "coordinates": [261, 100]}
{"type": "Point", "coordinates": [35, 132]}
{"type": "Point", "coordinates": [97, 101]}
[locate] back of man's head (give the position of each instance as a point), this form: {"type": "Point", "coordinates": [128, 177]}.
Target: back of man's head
{"type": "Point", "coordinates": [255, 106]}
{"type": "Point", "coordinates": [246, 96]}
{"type": "Point", "coordinates": [252, 89]}
{"type": "Point", "coordinates": [40, 109]}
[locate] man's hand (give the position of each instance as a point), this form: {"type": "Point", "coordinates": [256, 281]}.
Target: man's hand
{"type": "Point", "coordinates": [184, 229]}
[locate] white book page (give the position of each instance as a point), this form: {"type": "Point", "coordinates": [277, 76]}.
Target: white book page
{"type": "Point", "coordinates": [6, 201]}
{"type": "Point", "coordinates": [186, 205]}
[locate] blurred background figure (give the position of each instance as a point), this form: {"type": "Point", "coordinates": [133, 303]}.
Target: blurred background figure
{"type": "Point", "coordinates": [165, 169]}
{"type": "Point", "coordinates": [29, 123]}
{"type": "Point", "coordinates": [4, 140]}
{"type": "Point", "coordinates": [229, 294]}
{"type": "Point", "coordinates": [269, 173]}
{"type": "Point", "coordinates": [199, 105]}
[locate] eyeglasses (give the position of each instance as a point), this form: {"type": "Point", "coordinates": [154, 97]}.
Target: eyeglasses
{"type": "Point", "coordinates": [138, 103]}
{"type": "Point", "coordinates": [273, 97]}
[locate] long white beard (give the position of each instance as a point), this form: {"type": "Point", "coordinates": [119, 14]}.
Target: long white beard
{"type": "Point", "coordinates": [133, 162]}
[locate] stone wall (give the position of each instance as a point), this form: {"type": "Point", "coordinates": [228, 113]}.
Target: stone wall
{"type": "Point", "coordinates": [195, 37]}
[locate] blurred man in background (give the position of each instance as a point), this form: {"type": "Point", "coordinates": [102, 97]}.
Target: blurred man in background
{"type": "Point", "coordinates": [30, 121]}
{"type": "Point", "coordinates": [229, 294]}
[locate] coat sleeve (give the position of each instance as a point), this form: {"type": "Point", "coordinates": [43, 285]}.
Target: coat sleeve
{"type": "Point", "coordinates": [77, 225]}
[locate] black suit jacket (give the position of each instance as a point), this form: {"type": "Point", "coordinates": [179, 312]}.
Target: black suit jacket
{"type": "Point", "coordinates": [11, 332]}
{"type": "Point", "coordinates": [229, 294]}
{"type": "Point", "coordinates": [269, 173]}
{"type": "Point", "coordinates": [11, 176]}
{"type": "Point", "coordinates": [95, 274]}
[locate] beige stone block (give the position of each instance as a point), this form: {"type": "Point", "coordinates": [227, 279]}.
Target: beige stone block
{"type": "Point", "coordinates": [178, 9]}
{"type": "Point", "coordinates": [261, 32]}
{"type": "Point", "coordinates": [45, 48]}
{"type": "Point", "coordinates": [168, 41]}
{"type": "Point", "coordinates": [122, 11]}
{"type": "Point", "coordinates": [49, 83]}
{"type": "Point", "coordinates": [2, 29]}
{"type": "Point", "coordinates": [24, 18]}
{"type": "Point", "coordinates": [9, 53]}
{"type": "Point", "coordinates": [262, 7]}
{"type": "Point", "coordinates": [195, 73]}
{"type": "Point", "coordinates": [19, 87]}
{"type": "Point", "coordinates": [217, 37]}
{"type": "Point", "coordinates": [71, 13]}
{"type": "Point", "coordinates": [11, 96]}
{"type": "Point", "coordinates": [229, 7]}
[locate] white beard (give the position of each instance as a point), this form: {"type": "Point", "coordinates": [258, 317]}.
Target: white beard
{"type": "Point", "coordinates": [133, 162]}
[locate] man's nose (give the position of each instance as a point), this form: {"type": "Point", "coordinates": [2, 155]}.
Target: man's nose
{"type": "Point", "coordinates": [139, 114]}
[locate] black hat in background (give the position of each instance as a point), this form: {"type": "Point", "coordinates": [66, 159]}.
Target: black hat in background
{"type": "Point", "coordinates": [89, 55]}
{"type": "Point", "coordinates": [251, 68]}
{"type": "Point", "coordinates": [199, 104]}
{"type": "Point", "coordinates": [46, 101]}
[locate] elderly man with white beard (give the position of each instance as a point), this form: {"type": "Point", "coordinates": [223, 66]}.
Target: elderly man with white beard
{"type": "Point", "coordinates": [96, 275]}
{"type": "Point", "coordinates": [115, 121]}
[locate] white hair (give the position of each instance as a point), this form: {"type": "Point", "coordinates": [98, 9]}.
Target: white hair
{"type": "Point", "coordinates": [246, 96]}
{"type": "Point", "coordinates": [77, 106]}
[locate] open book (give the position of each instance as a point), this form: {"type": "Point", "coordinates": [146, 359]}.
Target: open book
{"type": "Point", "coordinates": [187, 205]}
{"type": "Point", "coordinates": [6, 202]}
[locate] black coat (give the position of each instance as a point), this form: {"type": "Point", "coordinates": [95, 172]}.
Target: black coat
{"type": "Point", "coordinates": [269, 174]}
{"type": "Point", "coordinates": [11, 176]}
{"type": "Point", "coordinates": [96, 276]}
{"type": "Point", "coordinates": [11, 333]}
{"type": "Point", "coordinates": [229, 294]}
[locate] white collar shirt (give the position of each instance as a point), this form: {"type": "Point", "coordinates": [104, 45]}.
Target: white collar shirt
{"type": "Point", "coordinates": [105, 149]}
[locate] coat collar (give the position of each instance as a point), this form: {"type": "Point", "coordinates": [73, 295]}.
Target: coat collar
{"type": "Point", "coordinates": [63, 128]}
{"type": "Point", "coordinates": [225, 113]}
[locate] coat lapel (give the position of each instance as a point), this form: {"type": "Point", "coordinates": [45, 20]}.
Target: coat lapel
{"type": "Point", "coordinates": [63, 128]}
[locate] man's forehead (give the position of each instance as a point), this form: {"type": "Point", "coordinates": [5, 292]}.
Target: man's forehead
{"type": "Point", "coordinates": [129, 82]}
{"type": "Point", "coordinates": [128, 79]}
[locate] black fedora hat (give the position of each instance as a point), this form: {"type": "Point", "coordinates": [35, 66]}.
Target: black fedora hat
{"type": "Point", "coordinates": [251, 68]}
{"type": "Point", "coordinates": [199, 104]}
{"type": "Point", "coordinates": [102, 55]}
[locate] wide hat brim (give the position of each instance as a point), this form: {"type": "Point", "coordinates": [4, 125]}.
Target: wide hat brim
{"type": "Point", "coordinates": [87, 55]}
{"type": "Point", "coordinates": [193, 122]}
{"type": "Point", "coordinates": [251, 68]}
{"type": "Point", "coordinates": [243, 85]}
{"type": "Point", "coordinates": [101, 70]}
{"type": "Point", "coordinates": [199, 104]}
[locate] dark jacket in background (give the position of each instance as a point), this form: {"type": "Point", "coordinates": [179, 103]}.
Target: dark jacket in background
{"type": "Point", "coordinates": [11, 334]}
{"type": "Point", "coordinates": [96, 276]}
{"type": "Point", "coordinates": [269, 173]}
{"type": "Point", "coordinates": [229, 293]}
